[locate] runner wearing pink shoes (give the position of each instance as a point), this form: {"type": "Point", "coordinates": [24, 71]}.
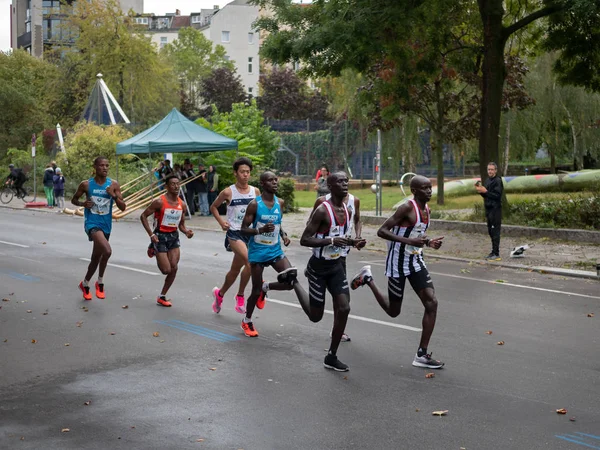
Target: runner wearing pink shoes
{"type": "Point", "coordinates": [237, 196]}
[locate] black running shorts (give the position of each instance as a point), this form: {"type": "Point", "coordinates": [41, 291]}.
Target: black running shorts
{"type": "Point", "coordinates": [95, 229]}
{"type": "Point", "coordinates": [166, 241]}
{"type": "Point", "coordinates": [325, 275]}
{"type": "Point", "coordinates": [418, 280]}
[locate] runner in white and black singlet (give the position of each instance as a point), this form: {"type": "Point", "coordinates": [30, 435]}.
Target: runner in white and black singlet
{"type": "Point", "coordinates": [328, 234]}
{"type": "Point", "coordinates": [405, 231]}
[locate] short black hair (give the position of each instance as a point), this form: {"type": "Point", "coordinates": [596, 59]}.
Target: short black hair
{"type": "Point", "coordinates": [99, 158]}
{"type": "Point", "coordinates": [170, 177]}
{"type": "Point", "coordinates": [241, 162]}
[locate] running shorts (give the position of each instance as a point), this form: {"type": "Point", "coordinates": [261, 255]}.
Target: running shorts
{"type": "Point", "coordinates": [95, 229]}
{"type": "Point", "coordinates": [325, 275]}
{"type": "Point", "coordinates": [418, 280]}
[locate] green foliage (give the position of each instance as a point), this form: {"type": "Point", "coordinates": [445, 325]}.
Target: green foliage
{"type": "Point", "coordinates": [222, 88]}
{"type": "Point", "coordinates": [285, 191]}
{"type": "Point", "coordinates": [84, 144]}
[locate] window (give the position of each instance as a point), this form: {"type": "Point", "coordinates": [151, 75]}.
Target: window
{"type": "Point", "coordinates": [163, 41]}
{"type": "Point", "coordinates": [250, 38]}
{"type": "Point", "coordinates": [27, 27]}
{"type": "Point", "coordinates": [250, 64]}
{"type": "Point", "coordinates": [196, 19]}
{"type": "Point", "coordinates": [296, 66]}
{"type": "Point", "coordinates": [141, 20]}
{"type": "Point", "coordinates": [224, 36]}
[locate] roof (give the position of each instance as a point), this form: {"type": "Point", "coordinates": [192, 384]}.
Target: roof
{"type": "Point", "coordinates": [176, 134]}
{"type": "Point", "coordinates": [181, 22]}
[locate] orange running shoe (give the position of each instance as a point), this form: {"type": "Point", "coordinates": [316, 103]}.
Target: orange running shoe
{"type": "Point", "coordinates": [100, 290]}
{"type": "Point", "coordinates": [260, 303]}
{"type": "Point", "coordinates": [249, 329]}
{"type": "Point", "coordinates": [86, 291]}
{"type": "Point", "coordinates": [163, 302]}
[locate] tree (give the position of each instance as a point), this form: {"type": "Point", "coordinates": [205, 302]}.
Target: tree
{"type": "Point", "coordinates": [221, 88]}
{"type": "Point", "coordinates": [193, 59]}
{"type": "Point", "coordinates": [109, 42]}
{"type": "Point", "coordinates": [285, 96]}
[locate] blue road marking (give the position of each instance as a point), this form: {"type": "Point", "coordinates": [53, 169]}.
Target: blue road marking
{"type": "Point", "coordinates": [579, 439]}
{"type": "Point", "coordinates": [19, 276]}
{"type": "Point", "coordinates": [200, 331]}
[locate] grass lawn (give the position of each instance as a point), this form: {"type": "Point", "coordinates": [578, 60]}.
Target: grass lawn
{"type": "Point", "coordinates": [392, 195]}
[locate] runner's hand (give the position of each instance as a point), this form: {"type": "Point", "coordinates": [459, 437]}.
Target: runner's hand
{"type": "Point", "coordinates": [436, 243]}
{"type": "Point", "coordinates": [341, 242]}
{"type": "Point", "coordinates": [418, 241]}
{"type": "Point", "coordinates": [189, 234]}
{"type": "Point", "coordinates": [154, 239]}
{"type": "Point", "coordinates": [110, 190]}
{"type": "Point", "coordinates": [286, 240]}
{"type": "Point", "coordinates": [359, 243]}
{"type": "Point", "coordinates": [268, 228]}
{"type": "Point", "coordinates": [225, 226]}
{"type": "Point", "coordinates": [88, 203]}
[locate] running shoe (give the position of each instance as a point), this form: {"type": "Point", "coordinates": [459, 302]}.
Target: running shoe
{"type": "Point", "coordinates": [288, 276]}
{"type": "Point", "coordinates": [240, 304]}
{"type": "Point", "coordinates": [332, 362]}
{"type": "Point", "coordinates": [163, 302]}
{"type": "Point", "coordinates": [427, 362]}
{"type": "Point", "coordinates": [361, 278]}
{"type": "Point", "coordinates": [86, 291]}
{"type": "Point", "coordinates": [345, 337]}
{"type": "Point", "coordinates": [493, 257]}
{"type": "Point", "coordinates": [249, 329]}
{"type": "Point", "coordinates": [218, 300]}
{"type": "Point", "coordinates": [100, 290]}
{"type": "Point", "coordinates": [262, 297]}
{"type": "Point", "coordinates": [151, 252]}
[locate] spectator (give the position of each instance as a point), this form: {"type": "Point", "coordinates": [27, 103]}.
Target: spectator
{"type": "Point", "coordinates": [190, 187]}
{"type": "Point", "coordinates": [491, 191]}
{"type": "Point", "coordinates": [167, 169]}
{"type": "Point", "coordinates": [212, 184]}
{"type": "Point", "coordinates": [177, 171]}
{"type": "Point", "coordinates": [59, 189]}
{"type": "Point", "coordinates": [321, 187]}
{"type": "Point", "coordinates": [17, 179]}
{"type": "Point", "coordinates": [49, 185]}
{"type": "Point", "coordinates": [158, 174]}
{"type": "Point", "coordinates": [202, 191]}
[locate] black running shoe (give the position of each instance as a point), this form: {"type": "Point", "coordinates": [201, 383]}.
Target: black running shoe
{"type": "Point", "coordinates": [333, 363]}
{"type": "Point", "coordinates": [288, 276]}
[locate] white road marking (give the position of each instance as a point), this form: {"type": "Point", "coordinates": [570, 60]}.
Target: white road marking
{"type": "Point", "coordinates": [126, 268]}
{"type": "Point", "coordinates": [16, 245]}
{"type": "Point", "coordinates": [351, 316]}
{"type": "Point", "coordinates": [378, 263]}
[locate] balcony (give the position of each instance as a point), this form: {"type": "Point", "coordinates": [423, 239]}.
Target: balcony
{"type": "Point", "coordinates": [24, 40]}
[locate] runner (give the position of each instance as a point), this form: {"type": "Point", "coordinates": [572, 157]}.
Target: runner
{"type": "Point", "coordinates": [328, 234]}
{"type": "Point", "coordinates": [353, 204]}
{"type": "Point", "coordinates": [169, 216]}
{"type": "Point", "coordinates": [263, 223]}
{"type": "Point", "coordinates": [100, 194]}
{"type": "Point", "coordinates": [237, 196]}
{"type": "Point", "coordinates": [405, 231]}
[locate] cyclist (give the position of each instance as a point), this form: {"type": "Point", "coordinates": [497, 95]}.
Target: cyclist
{"type": "Point", "coordinates": [16, 179]}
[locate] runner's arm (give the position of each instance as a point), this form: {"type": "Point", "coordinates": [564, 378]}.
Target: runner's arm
{"type": "Point", "coordinates": [283, 234]}
{"type": "Point", "coordinates": [357, 222]}
{"type": "Point", "coordinates": [154, 207]}
{"type": "Point", "coordinates": [224, 196]}
{"type": "Point", "coordinates": [82, 190]}
{"type": "Point", "coordinates": [114, 190]}
{"type": "Point", "coordinates": [247, 227]}
{"type": "Point", "coordinates": [188, 233]}
{"type": "Point", "coordinates": [403, 213]}
{"type": "Point", "coordinates": [317, 221]}
{"type": "Point", "coordinates": [318, 202]}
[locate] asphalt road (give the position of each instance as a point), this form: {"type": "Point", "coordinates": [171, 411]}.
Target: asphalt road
{"type": "Point", "coordinates": [200, 384]}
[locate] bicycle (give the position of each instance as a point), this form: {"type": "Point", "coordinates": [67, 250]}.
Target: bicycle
{"type": "Point", "coordinates": [8, 192]}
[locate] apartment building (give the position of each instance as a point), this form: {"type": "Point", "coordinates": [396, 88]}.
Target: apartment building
{"type": "Point", "coordinates": [36, 24]}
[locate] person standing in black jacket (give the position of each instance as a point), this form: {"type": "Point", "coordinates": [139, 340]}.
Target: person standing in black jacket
{"type": "Point", "coordinates": [491, 191]}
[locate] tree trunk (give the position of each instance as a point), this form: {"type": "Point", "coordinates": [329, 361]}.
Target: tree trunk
{"type": "Point", "coordinates": [493, 75]}
{"type": "Point", "coordinates": [576, 165]}
{"type": "Point", "coordinates": [121, 88]}
{"type": "Point", "coordinates": [438, 149]}
{"type": "Point", "coordinates": [506, 147]}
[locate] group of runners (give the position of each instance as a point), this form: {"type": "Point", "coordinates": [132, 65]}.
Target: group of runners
{"type": "Point", "coordinates": [254, 234]}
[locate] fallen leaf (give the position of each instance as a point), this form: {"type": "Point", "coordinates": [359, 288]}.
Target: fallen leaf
{"type": "Point", "coordinates": [590, 314]}
{"type": "Point", "coordinates": [500, 281]}
{"type": "Point", "coordinates": [500, 343]}
{"type": "Point", "coordinates": [79, 324]}
{"type": "Point", "coordinates": [125, 306]}
{"type": "Point", "coordinates": [417, 410]}
{"type": "Point", "coordinates": [12, 293]}
{"type": "Point", "coordinates": [45, 313]}
{"type": "Point", "coordinates": [465, 271]}
{"type": "Point", "coordinates": [430, 375]}
{"type": "Point", "coordinates": [43, 243]}
{"type": "Point", "coordinates": [29, 311]}
{"type": "Point", "coordinates": [440, 413]}
{"type": "Point", "coordinates": [33, 341]}
{"type": "Point", "coordinates": [215, 254]}
{"type": "Point", "coordinates": [199, 440]}
{"type": "Point", "coordinates": [161, 341]}
{"type": "Point", "coordinates": [87, 403]}
{"type": "Point", "coordinates": [22, 438]}
{"type": "Point", "coordinates": [5, 300]}
{"type": "Point", "coordinates": [156, 334]}
{"type": "Point", "coordinates": [346, 377]}
{"type": "Point", "coordinates": [561, 411]}
{"type": "Point", "coordinates": [133, 427]}
{"type": "Point", "coordinates": [213, 368]}
{"type": "Point", "coordinates": [488, 332]}
{"type": "Point", "coordinates": [67, 344]}
{"type": "Point", "coordinates": [5, 340]}
{"type": "Point", "coordinates": [572, 419]}
{"type": "Point", "coordinates": [65, 430]}
{"type": "Point", "coordinates": [112, 333]}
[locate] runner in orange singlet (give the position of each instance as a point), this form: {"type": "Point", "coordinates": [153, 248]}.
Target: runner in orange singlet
{"type": "Point", "coordinates": [169, 216]}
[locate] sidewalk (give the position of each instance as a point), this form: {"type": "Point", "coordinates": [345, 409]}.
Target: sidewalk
{"type": "Point", "coordinates": [545, 255]}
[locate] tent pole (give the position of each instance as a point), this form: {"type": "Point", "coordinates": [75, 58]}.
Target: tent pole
{"type": "Point", "coordinates": [182, 195]}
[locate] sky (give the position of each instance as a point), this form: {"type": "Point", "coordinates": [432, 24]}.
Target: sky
{"type": "Point", "coordinates": [157, 7]}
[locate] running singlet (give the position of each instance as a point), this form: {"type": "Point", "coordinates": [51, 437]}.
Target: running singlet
{"type": "Point", "coordinates": [266, 246]}
{"type": "Point", "coordinates": [336, 229]}
{"type": "Point", "coordinates": [169, 216]}
{"type": "Point", "coordinates": [403, 259]}
{"type": "Point", "coordinates": [236, 210]}
{"type": "Point", "coordinates": [351, 211]}
{"type": "Point", "coordinates": [100, 214]}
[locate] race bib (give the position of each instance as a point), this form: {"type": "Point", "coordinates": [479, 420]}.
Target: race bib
{"type": "Point", "coordinates": [417, 232]}
{"type": "Point", "coordinates": [101, 205]}
{"type": "Point", "coordinates": [332, 252]}
{"type": "Point", "coordinates": [270, 238]}
{"type": "Point", "coordinates": [171, 218]}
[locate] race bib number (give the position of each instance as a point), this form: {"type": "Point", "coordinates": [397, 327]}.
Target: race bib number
{"type": "Point", "coordinates": [270, 238]}
{"type": "Point", "coordinates": [101, 205]}
{"type": "Point", "coordinates": [417, 232]}
{"type": "Point", "coordinates": [171, 218]}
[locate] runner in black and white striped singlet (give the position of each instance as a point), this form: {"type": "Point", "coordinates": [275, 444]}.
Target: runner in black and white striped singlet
{"type": "Point", "coordinates": [405, 231]}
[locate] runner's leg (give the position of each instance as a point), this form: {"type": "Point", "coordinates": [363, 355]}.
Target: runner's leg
{"type": "Point", "coordinates": [257, 282]}
{"type": "Point", "coordinates": [173, 260]}
{"type": "Point", "coordinates": [430, 303]}
{"type": "Point", "coordinates": [100, 254]}
{"type": "Point", "coordinates": [240, 259]}
{"type": "Point", "coordinates": [341, 308]}
{"type": "Point", "coordinates": [392, 304]}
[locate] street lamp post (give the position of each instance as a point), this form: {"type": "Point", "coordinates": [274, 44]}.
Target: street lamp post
{"type": "Point", "coordinates": [33, 142]}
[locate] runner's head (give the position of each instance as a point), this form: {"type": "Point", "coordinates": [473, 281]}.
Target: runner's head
{"type": "Point", "coordinates": [101, 166]}
{"type": "Point", "coordinates": [420, 186]}
{"type": "Point", "coordinates": [172, 184]}
{"type": "Point", "coordinates": [338, 184]}
{"type": "Point", "coordinates": [241, 170]}
{"type": "Point", "coordinates": [269, 182]}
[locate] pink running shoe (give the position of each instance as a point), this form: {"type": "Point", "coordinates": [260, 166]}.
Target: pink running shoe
{"type": "Point", "coordinates": [218, 300]}
{"type": "Point", "coordinates": [240, 304]}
